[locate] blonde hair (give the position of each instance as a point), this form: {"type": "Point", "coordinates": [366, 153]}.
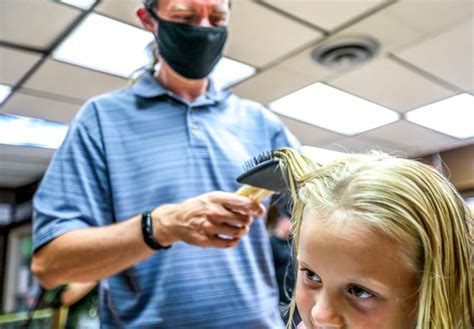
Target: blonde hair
{"type": "Point", "coordinates": [410, 202]}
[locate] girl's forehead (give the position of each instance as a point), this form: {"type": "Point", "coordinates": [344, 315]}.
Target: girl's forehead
{"type": "Point", "coordinates": [351, 249]}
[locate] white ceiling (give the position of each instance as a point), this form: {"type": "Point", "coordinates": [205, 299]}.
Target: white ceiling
{"type": "Point", "coordinates": [426, 54]}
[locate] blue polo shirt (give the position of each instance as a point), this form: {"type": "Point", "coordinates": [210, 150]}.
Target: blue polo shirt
{"type": "Point", "coordinates": [141, 147]}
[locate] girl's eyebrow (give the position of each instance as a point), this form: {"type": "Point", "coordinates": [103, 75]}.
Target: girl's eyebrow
{"type": "Point", "coordinates": [367, 281]}
{"type": "Point", "coordinates": [364, 281]}
{"type": "Point", "coordinates": [301, 263]}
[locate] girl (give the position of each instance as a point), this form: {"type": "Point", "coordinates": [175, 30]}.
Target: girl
{"type": "Point", "coordinates": [380, 242]}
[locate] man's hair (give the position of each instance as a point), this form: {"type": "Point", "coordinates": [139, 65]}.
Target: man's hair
{"type": "Point", "coordinates": [150, 4]}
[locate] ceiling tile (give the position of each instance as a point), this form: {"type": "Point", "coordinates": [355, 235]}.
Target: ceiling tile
{"type": "Point", "coordinates": [38, 107]}
{"type": "Point", "coordinates": [258, 36]}
{"type": "Point", "coordinates": [22, 168]}
{"type": "Point", "coordinates": [387, 83]}
{"type": "Point", "coordinates": [326, 14]}
{"type": "Point", "coordinates": [418, 140]}
{"type": "Point", "coordinates": [283, 79]}
{"type": "Point", "coordinates": [458, 143]}
{"type": "Point", "coordinates": [13, 181]}
{"type": "Point", "coordinates": [14, 64]}
{"type": "Point", "coordinates": [123, 10]}
{"type": "Point", "coordinates": [34, 23]}
{"type": "Point", "coordinates": [449, 55]}
{"type": "Point", "coordinates": [16, 174]}
{"type": "Point", "coordinates": [81, 83]}
{"type": "Point", "coordinates": [381, 26]}
{"type": "Point", "coordinates": [431, 16]}
{"type": "Point", "coordinates": [34, 154]}
{"type": "Point", "coordinates": [308, 134]}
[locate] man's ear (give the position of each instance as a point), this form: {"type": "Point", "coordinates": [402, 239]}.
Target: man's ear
{"type": "Point", "coordinates": [148, 22]}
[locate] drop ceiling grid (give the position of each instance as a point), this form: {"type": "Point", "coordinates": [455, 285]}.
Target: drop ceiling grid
{"type": "Point", "coordinates": [308, 134]}
{"type": "Point", "coordinates": [300, 70]}
{"type": "Point", "coordinates": [387, 83]}
{"type": "Point", "coordinates": [448, 55]}
{"type": "Point", "coordinates": [326, 14]}
{"type": "Point", "coordinates": [123, 10]}
{"type": "Point", "coordinates": [14, 64]}
{"type": "Point", "coordinates": [258, 36]}
{"type": "Point", "coordinates": [14, 181]}
{"type": "Point", "coordinates": [34, 23]}
{"type": "Point", "coordinates": [39, 153]}
{"type": "Point", "coordinates": [51, 77]}
{"type": "Point", "coordinates": [410, 136]}
{"type": "Point", "coordinates": [22, 168]}
{"type": "Point", "coordinates": [41, 108]}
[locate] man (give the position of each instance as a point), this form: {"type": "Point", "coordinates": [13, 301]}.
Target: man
{"type": "Point", "coordinates": [198, 259]}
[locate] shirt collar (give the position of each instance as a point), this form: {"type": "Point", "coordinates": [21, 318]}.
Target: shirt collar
{"type": "Point", "coordinates": [148, 87]}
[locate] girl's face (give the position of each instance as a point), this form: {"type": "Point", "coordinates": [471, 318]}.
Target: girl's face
{"type": "Point", "coordinates": [350, 277]}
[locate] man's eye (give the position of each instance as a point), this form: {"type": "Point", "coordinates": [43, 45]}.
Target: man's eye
{"type": "Point", "coordinates": [218, 20]}
{"type": "Point", "coordinates": [185, 18]}
{"type": "Point", "coordinates": [359, 292]}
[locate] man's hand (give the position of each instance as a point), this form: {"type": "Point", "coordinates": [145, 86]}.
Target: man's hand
{"type": "Point", "coordinates": [203, 220]}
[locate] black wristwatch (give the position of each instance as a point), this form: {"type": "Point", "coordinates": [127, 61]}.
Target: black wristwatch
{"type": "Point", "coordinates": [147, 231]}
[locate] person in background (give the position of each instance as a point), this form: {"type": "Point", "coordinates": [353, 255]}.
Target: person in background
{"type": "Point", "coordinates": [381, 242]}
{"type": "Point", "coordinates": [140, 193]}
{"type": "Point", "coordinates": [82, 300]}
{"type": "Point", "coordinates": [283, 260]}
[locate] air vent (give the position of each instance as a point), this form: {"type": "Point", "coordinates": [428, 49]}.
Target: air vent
{"type": "Point", "coordinates": [343, 53]}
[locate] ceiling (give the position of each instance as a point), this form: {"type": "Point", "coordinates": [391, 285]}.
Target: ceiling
{"type": "Point", "coordinates": [426, 55]}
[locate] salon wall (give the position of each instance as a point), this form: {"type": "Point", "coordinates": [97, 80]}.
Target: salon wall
{"type": "Point", "coordinates": [458, 166]}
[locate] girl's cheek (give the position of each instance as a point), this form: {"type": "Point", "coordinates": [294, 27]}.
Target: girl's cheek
{"type": "Point", "coordinates": [304, 301]}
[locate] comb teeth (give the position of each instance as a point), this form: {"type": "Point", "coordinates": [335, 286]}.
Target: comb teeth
{"type": "Point", "coordinates": [255, 161]}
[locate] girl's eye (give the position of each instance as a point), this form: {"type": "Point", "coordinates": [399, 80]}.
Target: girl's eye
{"type": "Point", "coordinates": [311, 276]}
{"type": "Point", "coordinates": [359, 292]}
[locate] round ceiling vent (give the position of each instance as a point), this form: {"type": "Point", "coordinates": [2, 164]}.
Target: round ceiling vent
{"type": "Point", "coordinates": [342, 53]}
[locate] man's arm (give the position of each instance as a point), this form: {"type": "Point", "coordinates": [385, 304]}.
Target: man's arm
{"type": "Point", "coordinates": [94, 253]}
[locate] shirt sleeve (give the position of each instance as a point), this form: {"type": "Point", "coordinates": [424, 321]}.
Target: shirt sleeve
{"type": "Point", "coordinates": [74, 193]}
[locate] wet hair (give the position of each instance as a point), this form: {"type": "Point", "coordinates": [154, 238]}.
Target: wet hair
{"type": "Point", "coordinates": [411, 203]}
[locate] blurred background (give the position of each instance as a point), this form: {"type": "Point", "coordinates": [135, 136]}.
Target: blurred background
{"type": "Point", "coordinates": [343, 75]}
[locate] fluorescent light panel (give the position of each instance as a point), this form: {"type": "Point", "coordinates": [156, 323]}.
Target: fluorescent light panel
{"type": "Point", "coordinates": [24, 131]}
{"type": "Point", "coordinates": [106, 45]}
{"type": "Point", "coordinates": [81, 4]}
{"type": "Point", "coordinates": [453, 116]}
{"type": "Point", "coordinates": [5, 91]}
{"type": "Point", "coordinates": [229, 72]}
{"type": "Point", "coordinates": [333, 109]}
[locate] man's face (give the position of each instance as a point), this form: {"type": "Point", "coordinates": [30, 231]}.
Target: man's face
{"type": "Point", "coordinates": [196, 12]}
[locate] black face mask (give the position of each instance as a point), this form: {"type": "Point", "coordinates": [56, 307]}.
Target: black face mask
{"type": "Point", "coordinates": [192, 51]}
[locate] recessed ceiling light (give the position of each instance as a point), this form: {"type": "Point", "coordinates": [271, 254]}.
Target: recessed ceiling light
{"type": "Point", "coordinates": [333, 109]}
{"type": "Point", "coordinates": [24, 131]}
{"type": "Point", "coordinates": [81, 4]}
{"type": "Point", "coordinates": [106, 45]}
{"type": "Point", "coordinates": [322, 156]}
{"type": "Point", "coordinates": [228, 72]}
{"type": "Point", "coordinates": [453, 116]}
{"type": "Point", "coordinates": [5, 91]}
